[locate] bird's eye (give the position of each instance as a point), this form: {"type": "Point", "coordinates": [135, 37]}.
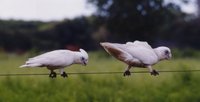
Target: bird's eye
{"type": "Point", "coordinates": [82, 58]}
{"type": "Point", "coordinates": [166, 52]}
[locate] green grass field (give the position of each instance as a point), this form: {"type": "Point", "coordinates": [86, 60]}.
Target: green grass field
{"type": "Point", "coordinates": [139, 87]}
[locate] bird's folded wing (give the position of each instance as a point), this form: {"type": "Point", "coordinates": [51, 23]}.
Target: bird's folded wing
{"type": "Point", "coordinates": [144, 54]}
{"type": "Point", "coordinates": [56, 58]}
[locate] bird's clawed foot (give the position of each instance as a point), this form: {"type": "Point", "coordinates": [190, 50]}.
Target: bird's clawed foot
{"type": "Point", "coordinates": [127, 73]}
{"type": "Point", "coordinates": [52, 74]}
{"type": "Point", "coordinates": [154, 73]}
{"type": "Point", "coordinates": [64, 75]}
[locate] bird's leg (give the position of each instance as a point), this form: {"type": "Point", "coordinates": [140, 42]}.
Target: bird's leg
{"type": "Point", "coordinates": [62, 72]}
{"type": "Point", "coordinates": [52, 74]}
{"type": "Point", "coordinates": [127, 72]}
{"type": "Point", "coordinates": [152, 71]}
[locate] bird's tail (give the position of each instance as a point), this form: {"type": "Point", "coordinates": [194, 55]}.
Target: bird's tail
{"type": "Point", "coordinates": [30, 65]}
{"type": "Point", "coordinates": [104, 43]}
{"type": "Point", "coordinates": [107, 45]}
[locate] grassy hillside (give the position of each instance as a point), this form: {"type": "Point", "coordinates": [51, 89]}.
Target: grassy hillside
{"type": "Point", "coordinates": [167, 87]}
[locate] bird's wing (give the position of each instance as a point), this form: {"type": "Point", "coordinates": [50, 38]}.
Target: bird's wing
{"type": "Point", "coordinates": [53, 58]}
{"type": "Point", "coordinates": [114, 50]}
{"type": "Point", "coordinates": [142, 52]}
{"type": "Point", "coordinates": [139, 43]}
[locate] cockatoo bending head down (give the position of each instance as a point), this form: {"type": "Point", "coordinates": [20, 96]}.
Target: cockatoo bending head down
{"type": "Point", "coordinates": [137, 54]}
{"type": "Point", "coordinates": [58, 59]}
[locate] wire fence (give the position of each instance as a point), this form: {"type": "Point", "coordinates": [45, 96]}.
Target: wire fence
{"type": "Point", "coordinates": [108, 73]}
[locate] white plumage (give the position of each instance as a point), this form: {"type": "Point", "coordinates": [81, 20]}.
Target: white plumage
{"type": "Point", "coordinates": [58, 59]}
{"type": "Point", "coordinates": [137, 54]}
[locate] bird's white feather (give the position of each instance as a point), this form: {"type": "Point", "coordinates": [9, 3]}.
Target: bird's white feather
{"type": "Point", "coordinates": [139, 43]}
{"type": "Point", "coordinates": [143, 52]}
{"type": "Point", "coordinates": [137, 51]}
{"type": "Point", "coordinates": [57, 58]}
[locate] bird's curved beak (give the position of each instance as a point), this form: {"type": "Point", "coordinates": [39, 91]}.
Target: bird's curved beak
{"type": "Point", "coordinates": [84, 63]}
{"type": "Point", "coordinates": [169, 56]}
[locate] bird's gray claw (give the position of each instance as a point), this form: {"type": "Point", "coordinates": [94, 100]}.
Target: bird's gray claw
{"type": "Point", "coordinates": [154, 73]}
{"type": "Point", "coordinates": [127, 73]}
{"type": "Point", "coordinates": [52, 75]}
{"type": "Point", "coordinates": [64, 75]}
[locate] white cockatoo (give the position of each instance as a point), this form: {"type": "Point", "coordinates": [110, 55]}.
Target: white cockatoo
{"type": "Point", "coordinates": [58, 59]}
{"type": "Point", "coordinates": [137, 54]}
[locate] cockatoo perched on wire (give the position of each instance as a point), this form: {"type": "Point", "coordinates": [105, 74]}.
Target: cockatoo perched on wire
{"type": "Point", "coordinates": [58, 59]}
{"type": "Point", "coordinates": [137, 54]}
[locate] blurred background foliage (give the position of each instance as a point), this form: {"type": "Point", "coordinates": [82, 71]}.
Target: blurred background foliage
{"type": "Point", "coordinates": [154, 21]}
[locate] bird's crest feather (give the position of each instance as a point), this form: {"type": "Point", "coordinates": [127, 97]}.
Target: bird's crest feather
{"type": "Point", "coordinates": [84, 53]}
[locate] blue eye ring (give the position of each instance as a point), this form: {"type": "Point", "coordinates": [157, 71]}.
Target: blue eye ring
{"type": "Point", "coordinates": [82, 58]}
{"type": "Point", "coordinates": [166, 52]}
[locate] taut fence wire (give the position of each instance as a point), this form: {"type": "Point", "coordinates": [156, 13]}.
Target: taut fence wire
{"type": "Point", "coordinates": [108, 73]}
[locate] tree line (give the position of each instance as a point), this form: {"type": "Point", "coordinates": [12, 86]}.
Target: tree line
{"type": "Point", "coordinates": [115, 21]}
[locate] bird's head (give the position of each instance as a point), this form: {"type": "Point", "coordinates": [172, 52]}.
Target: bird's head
{"type": "Point", "coordinates": [83, 57]}
{"type": "Point", "coordinates": [164, 53]}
